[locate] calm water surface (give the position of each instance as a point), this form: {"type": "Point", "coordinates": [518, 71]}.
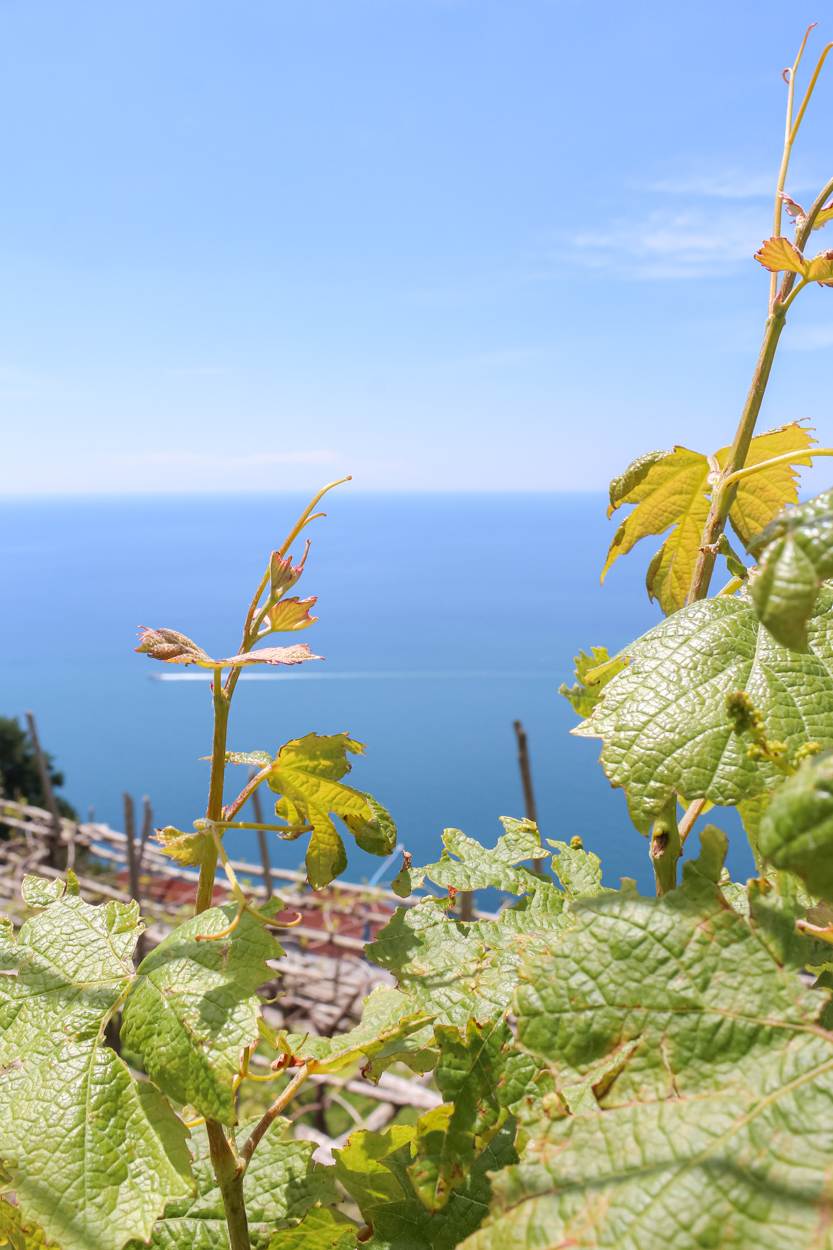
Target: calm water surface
{"type": "Point", "coordinates": [442, 619]}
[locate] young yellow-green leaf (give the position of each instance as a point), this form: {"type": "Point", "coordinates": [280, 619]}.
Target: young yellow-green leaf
{"type": "Point", "coordinates": [779, 255]}
{"type": "Point", "coordinates": [663, 720]}
{"type": "Point", "coordinates": [373, 1168]}
{"type": "Point", "coordinates": [820, 269]}
{"type": "Point", "coordinates": [712, 1084]}
{"type": "Point", "coordinates": [189, 849]}
{"type": "Point", "coordinates": [172, 647]}
{"type": "Point", "coordinates": [798, 214]}
{"type": "Point", "coordinates": [307, 773]}
{"type": "Point", "coordinates": [471, 1067]}
{"type": "Point", "coordinates": [92, 1154]}
{"type": "Point", "coordinates": [390, 1031]}
{"type": "Point", "coordinates": [322, 1228]}
{"type": "Point", "coordinates": [280, 1186]}
{"type": "Point", "coordinates": [193, 1008]}
{"type": "Point", "coordinates": [288, 615]}
{"type": "Point", "coordinates": [671, 491]}
{"type": "Point", "coordinates": [796, 831]}
{"type": "Point", "coordinates": [18, 1233]}
{"type": "Point", "coordinates": [593, 672]}
{"type": "Point", "coordinates": [795, 554]}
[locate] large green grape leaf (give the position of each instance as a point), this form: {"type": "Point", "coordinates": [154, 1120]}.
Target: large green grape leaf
{"type": "Point", "coordinates": [795, 554]}
{"type": "Point", "coordinates": [322, 1228]}
{"type": "Point", "coordinates": [91, 1153]}
{"type": "Point", "coordinates": [663, 719]}
{"type": "Point", "coordinates": [471, 1075]}
{"type": "Point", "coordinates": [193, 1008]}
{"type": "Point", "coordinates": [307, 773]}
{"type": "Point", "coordinates": [456, 970]}
{"type": "Point", "coordinates": [712, 1085]}
{"type": "Point", "coordinates": [281, 1184]}
{"type": "Point", "coordinates": [374, 1169]}
{"type": "Point", "coordinates": [390, 1031]}
{"type": "Point", "coordinates": [796, 830]}
{"type": "Point", "coordinates": [670, 490]}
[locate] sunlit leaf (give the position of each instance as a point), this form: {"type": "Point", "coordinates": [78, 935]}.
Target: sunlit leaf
{"type": "Point", "coordinates": [593, 672]}
{"type": "Point", "coordinates": [175, 648]}
{"type": "Point", "coordinates": [779, 255]}
{"type": "Point", "coordinates": [291, 614]}
{"type": "Point", "coordinates": [711, 1083]}
{"type": "Point", "coordinates": [92, 1154]}
{"type": "Point", "coordinates": [663, 719]}
{"type": "Point", "coordinates": [671, 492]}
{"type": "Point", "coordinates": [307, 773]}
{"type": "Point", "coordinates": [796, 831]}
{"type": "Point", "coordinates": [193, 1008]}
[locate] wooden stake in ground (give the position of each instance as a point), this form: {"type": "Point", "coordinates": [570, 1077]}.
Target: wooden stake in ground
{"type": "Point", "coordinates": [530, 808]}
{"type": "Point", "coordinates": [55, 849]}
{"type": "Point", "coordinates": [133, 853]}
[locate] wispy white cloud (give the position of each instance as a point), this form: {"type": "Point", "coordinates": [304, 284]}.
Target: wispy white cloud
{"type": "Point", "coordinates": [695, 243]}
{"type": "Point", "coordinates": [187, 459]}
{"type": "Point", "coordinates": [721, 184]}
{"type": "Point", "coordinates": [810, 338]}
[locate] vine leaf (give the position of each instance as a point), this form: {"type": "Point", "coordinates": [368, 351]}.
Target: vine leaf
{"type": "Point", "coordinates": [470, 1070]}
{"type": "Point", "coordinates": [799, 216]}
{"type": "Point", "coordinates": [711, 1085]}
{"type": "Point", "coordinates": [466, 865]}
{"type": "Point", "coordinates": [281, 1184]}
{"type": "Point", "coordinates": [193, 1008]}
{"type": "Point", "coordinates": [663, 719]}
{"type": "Point", "coordinates": [592, 672]}
{"type": "Point", "coordinates": [173, 647]}
{"type": "Point", "coordinates": [291, 614]}
{"type": "Point", "coordinates": [189, 849]}
{"type": "Point", "coordinates": [778, 255]}
{"type": "Point", "coordinates": [795, 554]}
{"type": "Point", "coordinates": [17, 1232]}
{"type": "Point", "coordinates": [460, 970]}
{"type": "Point", "coordinates": [374, 1169]}
{"type": "Point", "coordinates": [671, 491]}
{"type": "Point", "coordinates": [307, 773]}
{"type": "Point", "coordinates": [322, 1228]}
{"type": "Point", "coordinates": [796, 830]}
{"type": "Point", "coordinates": [92, 1154]}
{"type": "Point", "coordinates": [390, 1031]}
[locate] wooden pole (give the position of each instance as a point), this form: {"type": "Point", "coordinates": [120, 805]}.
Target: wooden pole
{"type": "Point", "coordinates": [55, 855]}
{"type": "Point", "coordinates": [530, 808]}
{"type": "Point", "coordinates": [262, 843]}
{"type": "Point", "coordinates": [133, 862]}
{"type": "Point", "coordinates": [147, 829]}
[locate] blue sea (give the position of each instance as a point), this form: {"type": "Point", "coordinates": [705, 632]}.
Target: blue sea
{"type": "Point", "coordinates": [442, 619]}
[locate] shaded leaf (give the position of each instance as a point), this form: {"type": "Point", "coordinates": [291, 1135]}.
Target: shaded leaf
{"type": "Point", "coordinates": [795, 554]}
{"type": "Point", "coordinates": [389, 1031]}
{"type": "Point", "coordinates": [280, 1186]}
{"type": "Point", "coordinates": [712, 1087]}
{"type": "Point", "coordinates": [796, 831]}
{"type": "Point", "coordinates": [322, 1228]}
{"type": "Point", "coordinates": [373, 1168]}
{"type": "Point", "coordinates": [16, 1232]}
{"type": "Point", "coordinates": [92, 1154]}
{"type": "Point", "coordinates": [193, 1008]}
{"type": "Point", "coordinates": [663, 720]}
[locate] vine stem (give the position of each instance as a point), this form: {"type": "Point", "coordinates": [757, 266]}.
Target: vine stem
{"type": "Point", "coordinates": [268, 1118]}
{"type": "Point", "coordinates": [789, 139]}
{"type": "Point", "coordinates": [767, 464]}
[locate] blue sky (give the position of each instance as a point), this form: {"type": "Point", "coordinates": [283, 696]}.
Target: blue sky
{"type": "Point", "coordinates": [440, 244]}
